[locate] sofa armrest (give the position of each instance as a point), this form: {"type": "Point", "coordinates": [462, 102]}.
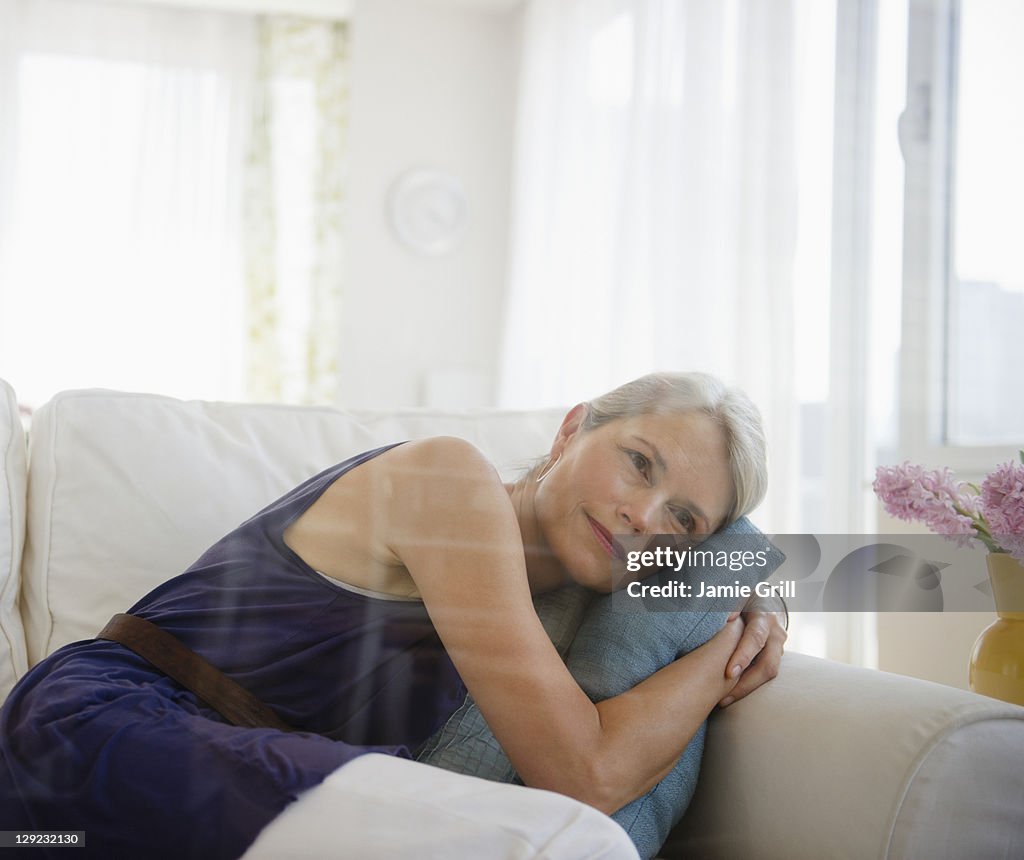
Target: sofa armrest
{"type": "Point", "coordinates": [829, 760]}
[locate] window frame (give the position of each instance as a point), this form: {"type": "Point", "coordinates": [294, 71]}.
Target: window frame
{"type": "Point", "coordinates": [927, 140]}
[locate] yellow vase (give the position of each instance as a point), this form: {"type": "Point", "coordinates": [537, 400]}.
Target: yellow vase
{"type": "Point", "coordinates": [997, 661]}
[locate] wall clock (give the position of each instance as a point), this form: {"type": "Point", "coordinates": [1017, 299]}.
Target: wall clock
{"type": "Point", "coordinates": [428, 211]}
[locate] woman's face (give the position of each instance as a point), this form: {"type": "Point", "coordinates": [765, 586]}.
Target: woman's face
{"type": "Point", "coordinates": [614, 486]}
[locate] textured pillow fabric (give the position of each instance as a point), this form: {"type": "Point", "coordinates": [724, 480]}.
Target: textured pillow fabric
{"type": "Point", "coordinates": [614, 649]}
{"type": "Point", "coordinates": [465, 743]}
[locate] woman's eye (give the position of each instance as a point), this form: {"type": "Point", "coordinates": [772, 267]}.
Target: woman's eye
{"type": "Point", "coordinates": [685, 520]}
{"type": "Point", "coordinates": [642, 464]}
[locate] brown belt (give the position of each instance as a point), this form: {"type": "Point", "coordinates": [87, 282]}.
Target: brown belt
{"type": "Point", "coordinates": [176, 660]}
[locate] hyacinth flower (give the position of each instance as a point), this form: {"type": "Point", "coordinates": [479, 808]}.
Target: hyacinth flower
{"type": "Point", "coordinates": [992, 513]}
{"type": "Point", "coordinates": [1002, 505]}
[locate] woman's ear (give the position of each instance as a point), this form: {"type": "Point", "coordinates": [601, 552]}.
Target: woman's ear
{"type": "Point", "coordinates": [570, 425]}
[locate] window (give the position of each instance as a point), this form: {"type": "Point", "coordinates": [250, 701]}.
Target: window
{"type": "Point", "coordinates": [962, 134]}
{"type": "Point", "coordinates": [171, 185]}
{"type": "Point", "coordinates": [123, 143]}
{"type": "Point", "coordinates": [985, 306]}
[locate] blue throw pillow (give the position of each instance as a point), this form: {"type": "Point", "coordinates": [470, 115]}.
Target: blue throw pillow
{"type": "Point", "coordinates": [614, 646]}
{"type": "Point", "coordinates": [465, 743]}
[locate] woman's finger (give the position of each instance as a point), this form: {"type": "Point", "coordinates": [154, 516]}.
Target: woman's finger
{"type": "Point", "coordinates": [764, 667]}
{"type": "Point", "coordinates": [755, 636]}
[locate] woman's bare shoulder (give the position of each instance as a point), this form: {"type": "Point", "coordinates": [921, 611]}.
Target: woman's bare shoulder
{"type": "Point", "coordinates": [442, 469]}
{"type": "Point", "coordinates": [407, 504]}
{"type": "Point", "coordinates": [450, 519]}
{"type": "Point", "coordinates": [445, 454]}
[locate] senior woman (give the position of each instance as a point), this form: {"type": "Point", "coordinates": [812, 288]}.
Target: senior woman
{"type": "Point", "coordinates": [363, 605]}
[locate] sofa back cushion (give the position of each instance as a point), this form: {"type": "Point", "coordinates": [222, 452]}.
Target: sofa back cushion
{"type": "Point", "coordinates": [127, 490]}
{"type": "Point", "coordinates": [12, 536]}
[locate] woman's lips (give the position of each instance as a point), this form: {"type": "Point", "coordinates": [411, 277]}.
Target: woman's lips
{"type": "Point", "coordinates": [604, 537]}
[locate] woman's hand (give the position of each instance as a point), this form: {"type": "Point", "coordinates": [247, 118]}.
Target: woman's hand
{"type": "Point", "coordinates": [757, 658]}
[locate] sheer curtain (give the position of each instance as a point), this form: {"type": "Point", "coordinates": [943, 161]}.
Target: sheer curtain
{"type": "Point", "coordinates": [672, 210]}
{"type": "Point", "coordinates": [126, 152]}
{"type": "Point", "coordinates": [123, 135]}
{"type": "Point", "coordinates": [669, 212]}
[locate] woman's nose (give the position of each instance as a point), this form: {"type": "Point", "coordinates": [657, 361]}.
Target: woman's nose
{"type": "Point", "coordinates": [637, 515]}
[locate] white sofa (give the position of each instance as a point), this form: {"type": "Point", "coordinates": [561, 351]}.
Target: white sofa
{"type": "Point", "coordinates": [122, 491]}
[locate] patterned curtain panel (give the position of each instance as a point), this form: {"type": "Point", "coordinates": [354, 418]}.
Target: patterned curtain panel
{"type": "Point", "coordinates": [294, 196]}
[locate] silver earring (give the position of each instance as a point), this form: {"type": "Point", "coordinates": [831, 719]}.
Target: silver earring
{"type": "Point", "coordinates": [551, 465]}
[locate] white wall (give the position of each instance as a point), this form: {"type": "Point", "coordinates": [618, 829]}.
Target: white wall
{"type": "Point", "coordinates": [433, 85]}
{"type": "Point", "coordinates": [935, 646]}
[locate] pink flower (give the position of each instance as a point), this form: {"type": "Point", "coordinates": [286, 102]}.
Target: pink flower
{"type": "Point", "coordinates": [994, 514]}
{"type": "Point", "coordinates": [1002, 503]}
{"type": "Point", "coordinates": [912, 493]}
{"type": "Point", "coordinates": [894, 485]}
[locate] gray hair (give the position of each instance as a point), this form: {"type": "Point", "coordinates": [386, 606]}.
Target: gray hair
{"type": "Point", "coordinates": [730, 408]}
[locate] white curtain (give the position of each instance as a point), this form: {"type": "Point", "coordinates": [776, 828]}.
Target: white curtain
{"type": "Point", "coordinates": [656, 207]}
{"type": "Point", "coordinates": [121, 150]}
{"type": "Point", "coordinates": [170, 200]}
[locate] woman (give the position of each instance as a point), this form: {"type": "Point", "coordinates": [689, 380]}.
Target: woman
{"type": "Point", "coordinates": [365, 603]}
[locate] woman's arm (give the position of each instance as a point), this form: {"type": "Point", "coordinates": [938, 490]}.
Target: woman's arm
{"type": "Point", "coordinates": [450, 522]}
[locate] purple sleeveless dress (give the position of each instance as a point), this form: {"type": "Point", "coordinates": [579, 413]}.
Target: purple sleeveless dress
{"type": "Point", "coordinates": [95, 739]}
